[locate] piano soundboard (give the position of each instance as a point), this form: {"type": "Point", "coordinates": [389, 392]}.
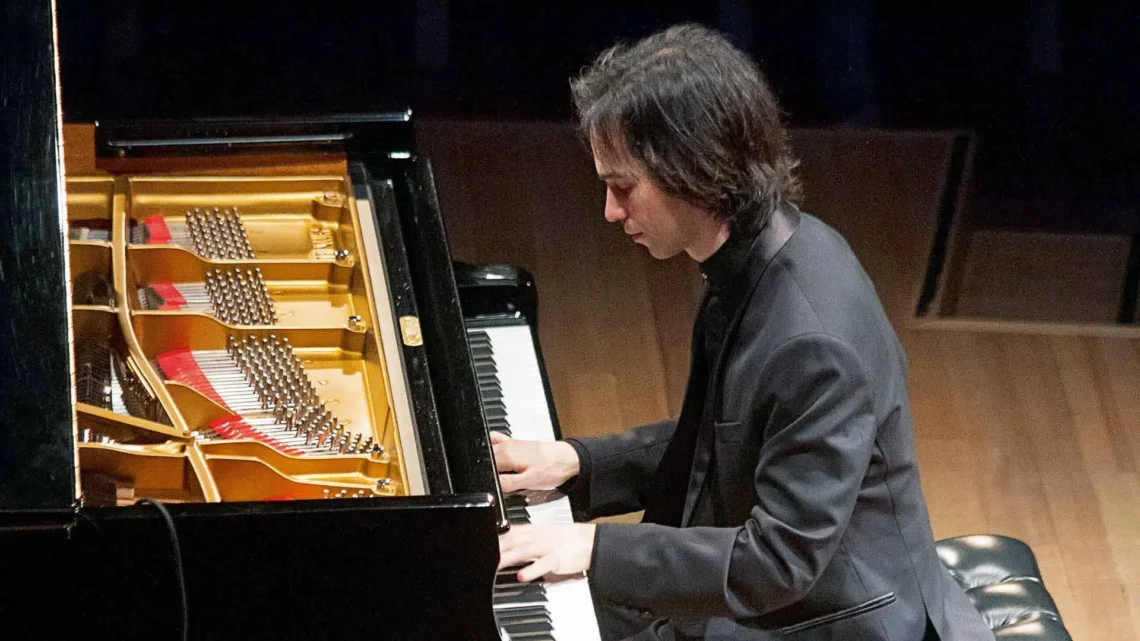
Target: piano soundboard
{"type": "Point", "coordinates": [255, 332]}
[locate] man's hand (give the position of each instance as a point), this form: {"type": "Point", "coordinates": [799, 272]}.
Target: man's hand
{"type": "Point", "coordinates": [536, 465]}
{"type": "Point", "coordinates": [559, 550]}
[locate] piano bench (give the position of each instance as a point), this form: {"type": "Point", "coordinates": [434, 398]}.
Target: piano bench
{"type": "Point", "coordinates": [1001, 577]}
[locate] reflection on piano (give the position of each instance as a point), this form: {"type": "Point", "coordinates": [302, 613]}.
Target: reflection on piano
{"type": "Point", "coordinates": [500, 310]}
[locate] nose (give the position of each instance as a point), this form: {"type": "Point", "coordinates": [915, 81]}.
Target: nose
{"type": "Point", "coordinates": [615, 213]}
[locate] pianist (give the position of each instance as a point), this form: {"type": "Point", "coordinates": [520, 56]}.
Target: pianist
{"type": "Point", "coordinates": [784, 501]}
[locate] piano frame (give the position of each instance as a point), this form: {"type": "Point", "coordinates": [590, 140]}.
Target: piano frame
{"type": "Point", "coordinates": [395, 568]}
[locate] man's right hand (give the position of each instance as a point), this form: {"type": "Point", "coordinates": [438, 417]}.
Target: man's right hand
{"type": "Point", "coordinates": [532, 465]}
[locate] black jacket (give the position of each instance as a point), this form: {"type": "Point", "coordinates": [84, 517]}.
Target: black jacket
{"type": "Point", "coordinates": [826, 534]}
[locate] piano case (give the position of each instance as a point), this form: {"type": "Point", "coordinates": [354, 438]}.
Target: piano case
{"type": "Point", "coordinates": [256, 324]}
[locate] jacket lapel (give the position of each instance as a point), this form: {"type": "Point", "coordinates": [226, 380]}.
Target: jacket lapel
{"type": "Point", "coordinates": [785, 220]}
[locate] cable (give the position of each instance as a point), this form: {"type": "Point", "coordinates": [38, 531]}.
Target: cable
{"type": "Point", "coordinates": [177, 560]}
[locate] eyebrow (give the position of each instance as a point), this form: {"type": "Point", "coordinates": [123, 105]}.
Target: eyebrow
{"type": "Point", "coordinates": [615, 175]}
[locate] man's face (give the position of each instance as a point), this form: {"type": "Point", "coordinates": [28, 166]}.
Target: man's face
{"type": "Point", "coordinates": [664, 224]}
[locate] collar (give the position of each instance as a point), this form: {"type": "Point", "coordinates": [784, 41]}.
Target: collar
{"type": "Point", "coordinates": [726, 263]}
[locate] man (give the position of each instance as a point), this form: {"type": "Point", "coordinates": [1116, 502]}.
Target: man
{"type": "Point", "coordinates": [784, 501]}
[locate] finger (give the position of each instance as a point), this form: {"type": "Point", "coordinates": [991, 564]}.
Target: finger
{"type": "Point", "coordinates": [542, 566]}
{"type": "Point", "coordinates": [517, 547]}
{"type": "Point", "coordinates": [515, 556]}
{"type": "Point", "coordinates": [513, 482]}
{"type": "Point", "coordinates": [498, 437]}
{"type": "Point", "coordinates": [504, 458]}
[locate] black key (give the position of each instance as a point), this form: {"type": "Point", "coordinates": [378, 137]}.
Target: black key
{"type": "Point", "coordinates": [534, 588]}
{"type": "Point", "coordinates": [509, 580]}
{"type": "Point", "coordinates": [525, 630]}
{"type": "Point", "coordinates": [515, 500]}
{"type": "Point", "coordinates": [491, 394]}
{"type": "Point", "coordinates": [505, 617]}
{"type": "Point", "coordinates": [523, 612]}
{"type": "Point", "coordinates": [509, 594]}
{"type": "Point", "coordinates": [494, 412]}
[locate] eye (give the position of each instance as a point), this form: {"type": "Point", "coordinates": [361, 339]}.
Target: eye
{"type": "Point", "coordinates": [621, 190]}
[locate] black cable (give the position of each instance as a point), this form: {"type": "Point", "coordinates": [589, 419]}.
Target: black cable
{"type": "Point", "coordinates": [177, 560]}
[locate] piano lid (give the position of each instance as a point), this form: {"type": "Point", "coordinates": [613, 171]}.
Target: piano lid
{"type": "Point", "coordinates": [37, 452]}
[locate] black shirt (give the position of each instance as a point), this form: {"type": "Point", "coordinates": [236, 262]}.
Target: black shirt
{"type": "Point", "coordinates": [721, 273]}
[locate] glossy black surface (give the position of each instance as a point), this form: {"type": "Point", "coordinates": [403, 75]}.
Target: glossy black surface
{"type": "Point", "coordinates": [37, 483]}
{"type": "Point", "coordinates": [949, 210]}
{"type": "Point", "coordinates": [441, 321]}
{"type": "Point", "coordinates": [416, 370]}
{"type": "Point", "coordinates": [354, 133]}
{"type": "Point", "coordinates": [405, 568]}
{"type": "Point", "coordinates": [494, 290]}
{"type": "Point", "coordinates": [490, 293]}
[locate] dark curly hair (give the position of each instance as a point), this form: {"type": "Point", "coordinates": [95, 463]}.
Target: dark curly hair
{"type": "Point", "coordinates": [698, 114]}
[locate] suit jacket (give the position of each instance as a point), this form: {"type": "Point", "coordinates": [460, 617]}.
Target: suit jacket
{"type": "Point", "coordinates": [826, 533]}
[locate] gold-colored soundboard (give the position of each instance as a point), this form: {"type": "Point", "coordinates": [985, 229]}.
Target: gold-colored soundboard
{"type": "Point", "coordinates": [233, 338]}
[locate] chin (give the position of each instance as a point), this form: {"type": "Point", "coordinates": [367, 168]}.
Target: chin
{"type": "Point", "coordinates": [662, 254]}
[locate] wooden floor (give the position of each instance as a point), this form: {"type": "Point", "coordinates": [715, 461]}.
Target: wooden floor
{"type": "Point", "coordinates": [1033, 435]}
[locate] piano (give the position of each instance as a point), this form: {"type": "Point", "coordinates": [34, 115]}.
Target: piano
{"type": "Point", "coordinates": [239, 400]}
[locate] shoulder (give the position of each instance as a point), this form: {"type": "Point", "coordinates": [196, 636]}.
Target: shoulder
{"type": "Point", "coordinates": [816, 283]}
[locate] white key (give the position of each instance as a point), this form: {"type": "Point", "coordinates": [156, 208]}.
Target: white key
{"type": "Point", "coordinates": [521, 380]}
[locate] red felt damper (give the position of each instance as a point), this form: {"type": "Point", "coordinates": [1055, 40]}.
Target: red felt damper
{"type": "Point", "coordinates": [172, 299]}
{"type": "Point", "coordinates": [168, 292]}
{"type": "Point", "coordinates": [234, 426]}
{"type": "Point", "coordinates": [179, 365]}
{"type": "Point", "coordinates": [156, 230]}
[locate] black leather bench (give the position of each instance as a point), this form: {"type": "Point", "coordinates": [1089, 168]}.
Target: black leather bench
{"type": "Point", "coordinates": [1001, 577]}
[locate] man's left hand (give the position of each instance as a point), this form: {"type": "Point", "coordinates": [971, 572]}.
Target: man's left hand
{"type": "Point", "coordinates": [560, 550]}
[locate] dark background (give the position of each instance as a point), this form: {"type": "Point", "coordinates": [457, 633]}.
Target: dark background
{"type": "Point", "coordinates": [1050, 87]}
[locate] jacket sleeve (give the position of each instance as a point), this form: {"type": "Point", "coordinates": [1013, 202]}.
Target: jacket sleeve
{"type": "Point", "coordinates": [815, 409]}
{"type": "Point", "coordinates": [615, 471]}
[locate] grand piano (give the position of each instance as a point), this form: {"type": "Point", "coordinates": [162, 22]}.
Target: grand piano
{"type": "Point", "coordinates": [246, 392]}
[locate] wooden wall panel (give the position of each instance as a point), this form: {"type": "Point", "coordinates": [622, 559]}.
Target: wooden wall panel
{"type": "Point", "coordinates": [614, 323]}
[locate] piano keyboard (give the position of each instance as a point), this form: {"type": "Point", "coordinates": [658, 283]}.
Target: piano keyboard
{"type": "Point", "coordinates": [514, 401]}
